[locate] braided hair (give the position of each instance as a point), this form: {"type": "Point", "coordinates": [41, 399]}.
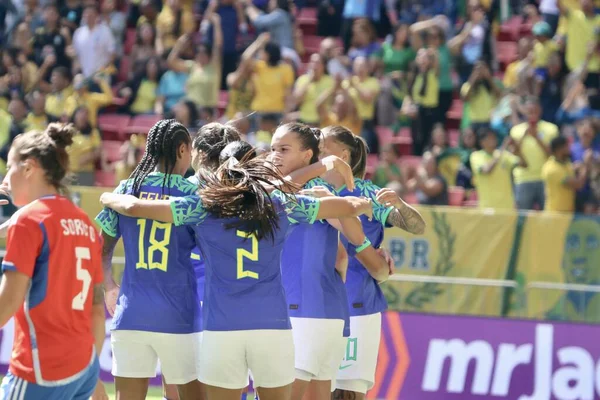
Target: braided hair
{"type": "Point", "coordinates": [162, 144]}
{"type": "Point", "coordinates": [211, 140]}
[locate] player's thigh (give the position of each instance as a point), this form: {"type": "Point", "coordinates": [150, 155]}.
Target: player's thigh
{"type": "Point", "coordinates": [223, 360]}
{"type": "Point", "coordinates": [131, 388]}
{"type": "Point", "coordinates": [178, 355]}
{"type": "Point", "coordinates": [219, 393]}
{"type": "Point", "coordinates": [280, 393]}
{"type": "Point", "coordinates": [317, 345]}
{"type": "Point", "coordinates": [270, 356]}
{"type": "Point", "coordinates": [132, 354]}
{"type": "Point", "coordinates": [357, 370]}
{"type": "Point", "coordinates": [193, 390]}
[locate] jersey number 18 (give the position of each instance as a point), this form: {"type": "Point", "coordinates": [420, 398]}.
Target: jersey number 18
{"type": "Point", "coordinates": [156, 246]}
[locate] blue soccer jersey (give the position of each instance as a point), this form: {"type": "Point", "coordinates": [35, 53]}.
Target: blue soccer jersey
{"type": "Point", "coordinates": [313, 287]}
{"type": "Point", "coordinates": [159, 287]}
{"type": "Point", "coordinates": [364, 294]}
{"type": "Point", "coordinates": [197, 261]}
{"type": "Point", "coordinates": [243, 288]}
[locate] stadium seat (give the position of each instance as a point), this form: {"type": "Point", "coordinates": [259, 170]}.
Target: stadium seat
{"type": "Point", "coordinates": [223, 100]}
{"type": "Point", "coordinates": [141, 124]}
{"type": "Point", "coordinates": [456, 196]}
{"type": "Point", "coordinates": [112, 126]}
{"type": "Point", "coordinates": [104, 178]}
{"type": "Point", "coordinates": [307, 20]}
{"type": "Point", "coordinates": [312, 44]}
{"type": "Point", "coordinates": [111, 149]}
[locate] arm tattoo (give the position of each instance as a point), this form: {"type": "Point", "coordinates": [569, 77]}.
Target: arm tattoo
{"type": "Point", "coordinates": [408, 219]}
{"type": "Point", "coordinates": [98, 294]}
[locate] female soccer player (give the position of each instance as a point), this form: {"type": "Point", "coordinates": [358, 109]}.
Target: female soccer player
{"type": "Point", "coordinates": [316, 295]}
{"type": "Point", "coordinates": [52, 280]}
{"type": "Point", "coordinates": [157, 315]}
{"type": "Point", "coordinates": [356, 374]}
{"type": "Point", "coordinates": [242, 230]}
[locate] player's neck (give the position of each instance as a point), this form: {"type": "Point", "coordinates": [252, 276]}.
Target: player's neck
{"type": "Point", "coordinates": [42, 190]}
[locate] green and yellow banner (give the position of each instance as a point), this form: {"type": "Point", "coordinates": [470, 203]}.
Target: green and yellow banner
{"type": "Point", "coordinates": [530, 250]}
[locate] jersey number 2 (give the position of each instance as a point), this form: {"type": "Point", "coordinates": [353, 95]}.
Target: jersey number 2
{"type": "Point", "coordinates": [156, 245]}
{"type": "Point", "coordinates": [83, 275]}
{"type": "Point", "coordinates": [250, 255]}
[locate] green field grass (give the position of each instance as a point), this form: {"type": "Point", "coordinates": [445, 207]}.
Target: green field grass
{"type": "Point", "coordinates": [154, 392]}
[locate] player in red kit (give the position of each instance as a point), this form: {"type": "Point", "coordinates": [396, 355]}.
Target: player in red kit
{"type": "Point", "coordinates": [52, 277]}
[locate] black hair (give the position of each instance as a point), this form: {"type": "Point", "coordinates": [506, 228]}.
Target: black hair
{"type": "Point", "coordinates": [273, 51]}
{"type": "Point", "coordinates": [162, 144]}
{"type": "Point", "coordinates": [285, 5]}
{"type": "Point", "coordinates": [557, 143]}
{"type": "Point", "coordinates": [238, 150]}
{"type": "Point", "coordinates": [87, 130]}
{"type": "Point", "coordinates": [208, 110]}
{"type": "Point", "coordinates": [357, 146]}
{"type": "Point", "coordinates": [212, 139]}
{"type": "Point", "coordinates": [238, 192]}
{"type": "Point", "coordinates": [270, 118]}
{"type": "Point", "coordinates": [395, 30]}
{"type": "Point", "coordinates": [192, 112]}
{"type": "Point", "coordinates": [310, 138]}
{"type": "Point", "coordinates": [64, 72]}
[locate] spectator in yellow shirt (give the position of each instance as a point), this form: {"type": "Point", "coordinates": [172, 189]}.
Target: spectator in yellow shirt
{"type": "Point", "coordinates": [61, 89]}
{"type": "Point", "coordinates": [37, 119]}
{"type": "Point", "coordinates": [85, 150]}
{"type": "Point", "coordinates": [543, 47]}
{"type": "Point", "coordinates": [481, 93]}
{"type": "Point", "coordinates": [364, 90]}
{"type": "Point", "coordinates": [172, 22]}
{"type": "Point", "coordinates": [511, 75]}
{"type": "Point", "coordinates": [581, 31]}
{"type": "Point", "coordinates": [492, 171]}
{"type": "Point", "coordinates": [273, 79]}
{"type": "Point", "coordinates": [424, 99]}
{"type": "Point", "coordinates": [309, 87]}
{"type": "Point", "coordinates": [560, 178]}
{"type": "Point", "coordinates": [534, 137]}
{"type": "Point", "coordinates": [92, 100]}
{"type": "Point", "coordinates": [336, 107]}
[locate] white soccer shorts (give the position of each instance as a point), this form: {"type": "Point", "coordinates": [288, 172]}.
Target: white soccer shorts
{"type": "Point", "coordinates": [320, 347]}
{"type": "Point", "coordinates": [357, 371]}
{"type": "Point", "coordinates": [136, 355]}
{"type": "Point", "coordinates": [228, 357]}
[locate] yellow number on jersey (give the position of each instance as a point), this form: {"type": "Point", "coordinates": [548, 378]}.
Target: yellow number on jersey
{"type": "Point", "coordinates": [250, 255]}
{"type": "Point", "coordinates": [156, 246]}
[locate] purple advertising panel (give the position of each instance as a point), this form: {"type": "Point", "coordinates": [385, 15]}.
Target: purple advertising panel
{"type": "Point", "coordinates": [434, 357]}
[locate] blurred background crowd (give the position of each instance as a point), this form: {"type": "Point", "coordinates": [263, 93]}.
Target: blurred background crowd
{"type": "Point", "coordinates": [485, 103]}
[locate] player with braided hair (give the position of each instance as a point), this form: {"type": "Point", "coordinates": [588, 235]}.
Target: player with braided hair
{"type": "Point", "coordinates": [156, 311]}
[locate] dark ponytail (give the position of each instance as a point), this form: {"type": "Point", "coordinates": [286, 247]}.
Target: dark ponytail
{"type": "Point", "coordinates": [310, 138]}
{"type": "Point", "coordinates": [211, 140]}
{"type": "Point", "coordinates": [357, 146]}
{"type": "Point", "coordinates": [238, 150]}
{"type": "Point", "coordinates": [238, 191]}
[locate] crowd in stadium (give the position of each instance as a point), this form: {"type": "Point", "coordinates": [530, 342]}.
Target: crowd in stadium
{"type": "Point", "coordinates": [457, 107]}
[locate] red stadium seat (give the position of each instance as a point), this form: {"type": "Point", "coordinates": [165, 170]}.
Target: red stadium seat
{"type": "Point", "coordinates": [307, 20]}
{"type": "Point", "coordinates": [141, 124]}
{"type": "Point", "coordinates": [223, 99]}
{"type": "Point", "coordinates": [104, 178]}
{"type": "Point", "coordinates": [112, 126]}
{"type": "Point", "coordinates": [111, 149]}
{"type": "Point", "coordinates": [312, 44]}
{"type": "Point", "coordinates": [456, 196]}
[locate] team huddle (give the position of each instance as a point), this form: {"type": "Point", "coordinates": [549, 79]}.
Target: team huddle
{"type": "Point", "coordinates": [261, 267]}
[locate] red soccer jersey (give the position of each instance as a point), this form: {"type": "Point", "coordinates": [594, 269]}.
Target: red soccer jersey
{"type": "Point", "coordinates": [53, 242]}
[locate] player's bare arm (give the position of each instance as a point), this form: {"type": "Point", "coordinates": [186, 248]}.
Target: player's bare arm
{"type": "Point", "coordinates": [13, 287]}
{"type": "Point", "coordinates": [131, 206]}
{"type": "Point", "coordinates": [403, 216]}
